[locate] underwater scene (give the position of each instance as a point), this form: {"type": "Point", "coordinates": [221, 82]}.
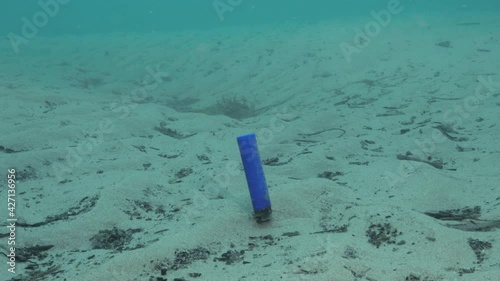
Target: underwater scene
{"type": "Point", "coordinates": [250, 140]}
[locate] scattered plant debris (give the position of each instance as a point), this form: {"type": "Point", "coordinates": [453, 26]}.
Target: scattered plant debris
{"type": "Point", "coordinates": [7, 150]}
{"type": "Point", "coordinates": [330, 175]}
{"type": "Point", "coordinates": [84, 206]}
{"type": "Point", "coordinates": [477, 225]}
{"type": "Point", "coordinates": [366, 143]}
{"type": "Point", "coordinates": [338, 229]}
{"type": "Point", "coordinates": [145, 210]}
{"type": "Point", "coordinates": [203, 159]}
{"type": "Point", "coordinates": [291, 234]}
{"type": "Point", "coordinates": [231, 257]}
{"type": "Point", "coordinates": [182, 173]}
{"type": "Point", "coordinates": [113, 239]}
{"type": "Point", "coordinates": [438, 164]}
{"type": "Point", "coordinates": [27, 173]}
{"type": "Point", "coordinates": [447, 130]}
{"type": "Point", "coordinates": [413, 277]}
{"type": "Point", "coordinates": [350, 253]}
{"type": "Point", "coordinates": [40, 275]}
{"type": "Point", "coordinates": [457, 214]}
{"type": "Point", "coordinates": [275, 161]}
{"type": "Point", "coordinates": [469, 216]}
{"type": "Point", "coordinates": [479, 248]}
{"type": "Point", "coordinates": [463, 271]}
{"type": "Point", "coordinates": [379, 234]}
{"type": "Point", "coordinates": [444, 44]}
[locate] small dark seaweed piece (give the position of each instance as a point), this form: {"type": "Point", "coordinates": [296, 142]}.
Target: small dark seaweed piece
{"type": "Point", "coordinates": [445, 44]}
{"type": "Point", "coordinates": [457, 214]}
{"type": "Point", "coordinates": [438, 164]}
{"type": "Point", "coordinates": [447, 130]}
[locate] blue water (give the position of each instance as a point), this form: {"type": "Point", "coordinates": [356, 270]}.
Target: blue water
{"type": "Point", "coordinates": [95, 16]}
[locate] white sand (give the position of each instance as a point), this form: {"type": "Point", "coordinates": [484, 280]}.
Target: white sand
{"type": "Point", "coordinates": [67, 132]}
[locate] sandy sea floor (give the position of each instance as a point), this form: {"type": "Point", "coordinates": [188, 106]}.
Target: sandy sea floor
{"type": "Point", "coordinates": [380, 166]}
